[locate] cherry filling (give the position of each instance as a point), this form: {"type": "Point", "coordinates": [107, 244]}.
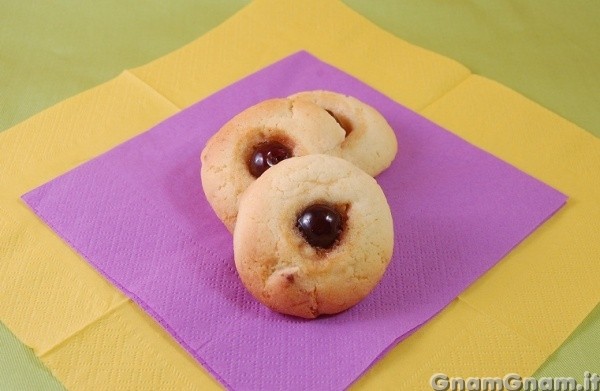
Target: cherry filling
{"type": "Point", "coordinates": [266, 155]}
{"type": "Point", "coordinates": [320, 225]}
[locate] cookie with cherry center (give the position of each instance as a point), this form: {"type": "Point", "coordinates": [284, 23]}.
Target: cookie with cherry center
{"type": "Point", "coordinates": [309, 122]}
{"type": "Point", "coordinates": [313, 236]}
{"type": "Point", "coordinates": [257, 139]}
{"type": "Point", "coordinates": [370, 142]}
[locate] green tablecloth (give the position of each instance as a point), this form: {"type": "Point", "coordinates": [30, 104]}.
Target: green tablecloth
{"type": "Point", "coordinates": [547, 51]}
{"type": "Point", "coordinates": [20, 369]}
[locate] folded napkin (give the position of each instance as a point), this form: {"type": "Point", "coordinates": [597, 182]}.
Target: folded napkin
{"type": "Point", "coordinates": [70, 315]}
{"type": "Point", "coordinates": [138, 214]}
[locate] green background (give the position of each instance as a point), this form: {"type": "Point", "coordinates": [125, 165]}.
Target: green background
{"type": "Point", "coordinates": [549, 51]}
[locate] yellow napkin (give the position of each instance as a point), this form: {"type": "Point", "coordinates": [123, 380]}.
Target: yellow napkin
{"type": "Point", "coordinates": [92, 337]}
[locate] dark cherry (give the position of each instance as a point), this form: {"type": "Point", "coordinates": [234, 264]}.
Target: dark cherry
{"type": "Point", "coordinates": [266, 155]}
{"type": "Point", "coordinates": [321, 225]}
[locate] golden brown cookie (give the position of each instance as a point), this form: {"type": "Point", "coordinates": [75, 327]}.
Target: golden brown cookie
{"type": "Point", "coordinates": [314, 235]}
{"type": "Point", "coordinates": [370, 142]}
{"type": "Point", "coordinates": [258, 138]}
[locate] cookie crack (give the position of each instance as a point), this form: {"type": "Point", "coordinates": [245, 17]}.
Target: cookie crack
{"type": "Point", "coordinates": [314, 307]}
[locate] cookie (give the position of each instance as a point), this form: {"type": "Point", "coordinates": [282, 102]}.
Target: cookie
{"type": "Point", "coordinates": [258, 138]}
{"type": "Point", "coordinates": [314, 236]}
{"type": "Point", "coordinates": [370, 142]}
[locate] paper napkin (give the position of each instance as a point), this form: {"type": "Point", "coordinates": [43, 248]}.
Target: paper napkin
{"type": "Point", "coordinates": [138, 214]}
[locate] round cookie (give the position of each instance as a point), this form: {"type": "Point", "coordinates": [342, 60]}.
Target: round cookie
{"type": "Point", "coordinates": [370, 142]}
{"type": "Point", "coordinates": [316, 199]}
{"type": "Point", "coordinates": [258, 138]}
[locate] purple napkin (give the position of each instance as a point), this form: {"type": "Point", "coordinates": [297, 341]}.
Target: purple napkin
{"type": "Point", "coordinates": [138, 214]}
